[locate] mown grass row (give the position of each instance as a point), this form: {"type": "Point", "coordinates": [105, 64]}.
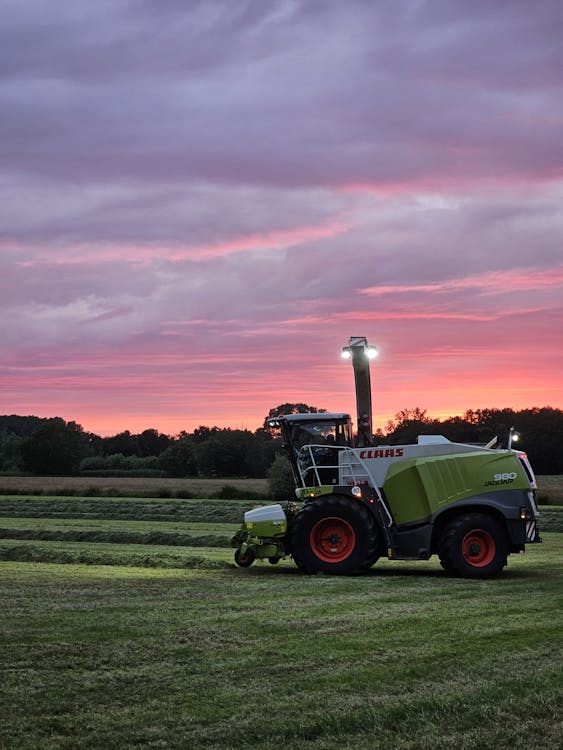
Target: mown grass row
{"type": "Point", "coordinates": [111, 525]}
{"type": "Point", "coordinates": [118, 531]}
{"type": "Point", "coordinates": [113, 531]}
{"type": "Point", "coordinates": [118, 537]}
{"type": "Point", "coordinates": [162, 511]}
{"type": "Point", "coordinates": [136, 521]}
{"type": "Point", "coordinates": [126, 509]}
{"type": "Point", "coordinates": [115, 554]}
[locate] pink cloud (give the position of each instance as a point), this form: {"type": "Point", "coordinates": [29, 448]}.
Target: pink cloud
{"type": "Point", "coordinates": [490, 282]}
{"type": "Point", "coordinates": [269, 240]}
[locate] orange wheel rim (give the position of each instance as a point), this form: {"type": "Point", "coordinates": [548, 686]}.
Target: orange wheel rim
{"type": "Point", "coordinates": [332, 540]}
{"type": "Point", "coordinates": [478, 548]}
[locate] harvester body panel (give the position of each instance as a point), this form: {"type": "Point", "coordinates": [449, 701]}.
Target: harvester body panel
{"type": "Point", "coordinates": [418, 488]}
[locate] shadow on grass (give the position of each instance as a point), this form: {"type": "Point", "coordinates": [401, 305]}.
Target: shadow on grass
{"type": "Point", "coordinates": [412, 571]}
{"type": "Point", "coordinates": [272, 570]}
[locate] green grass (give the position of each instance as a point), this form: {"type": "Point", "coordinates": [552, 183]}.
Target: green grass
{"type": "Point", "coordinates": [404, 657]}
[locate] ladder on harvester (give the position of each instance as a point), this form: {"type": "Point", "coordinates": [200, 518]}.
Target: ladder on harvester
{"type": "Point", "coordinates": [353, 472]}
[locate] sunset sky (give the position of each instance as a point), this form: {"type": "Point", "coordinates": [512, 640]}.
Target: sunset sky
{"type": "Point", "coordinates": [202, 200]}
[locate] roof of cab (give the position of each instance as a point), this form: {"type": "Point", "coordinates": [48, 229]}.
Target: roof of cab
{"type": "Point", "coordinates": [323, 416]}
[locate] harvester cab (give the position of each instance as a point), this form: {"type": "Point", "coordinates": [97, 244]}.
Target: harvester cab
{"type": "Point", "coordinates": [313, 443]}
{"type": "Point", "coordinates": [471, 505]}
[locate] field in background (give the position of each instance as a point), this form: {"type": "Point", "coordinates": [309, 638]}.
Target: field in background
{"type": "Point", "coordinates": [550, 488]}
{"type": "Point", "coordinates": [140, 486]}
{"type": "Point", "coordinates": [148, 636]}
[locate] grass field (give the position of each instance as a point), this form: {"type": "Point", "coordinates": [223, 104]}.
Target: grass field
{"type": "Point", "coordinates": [168, 645]}
{"type": "Point", "coordinates": [148, 487]}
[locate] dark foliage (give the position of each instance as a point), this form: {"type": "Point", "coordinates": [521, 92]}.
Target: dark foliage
{"type": "Point", "coordinates": [281, 482]}
{"type": "Point", "coordinates": [56, 448]}
{"type": "Point", "coordinates": [540, 431]}
{"type": "Point", "coordinates": [53, 446]}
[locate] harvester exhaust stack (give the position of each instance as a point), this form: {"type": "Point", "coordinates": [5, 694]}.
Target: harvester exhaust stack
{"type": "Point", "coordinates": [360, 353]}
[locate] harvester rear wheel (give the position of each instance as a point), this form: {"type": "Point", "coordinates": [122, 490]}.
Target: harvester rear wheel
{"type": "Point", "coordinates": [474, 545]}
{"type": "Point", "coordinates": [334, 534]}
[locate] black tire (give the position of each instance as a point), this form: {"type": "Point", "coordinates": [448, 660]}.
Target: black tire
{"type": "Point", "coordinates": [334, 534]}
{"type": "Point", "coordinates": [474, 545]}
{"type": "Point", "coordinates": [244, 560]}
{"type": "Point", "coordinates": [377, 552]}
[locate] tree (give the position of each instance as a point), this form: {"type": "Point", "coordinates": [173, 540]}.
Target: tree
{"type": "Point", "coordinates": [124, 442]}
{"type": "Point", "coordinates": [281, 482]}
{"type": "Point", "coordinates": [10, 454]}
{"type": "Point", "coordinates": [56, 448]}
{"type": "Point", "coordinates": [408, 424]}
{"type": "Point", "coordinates": [152, 443]}
{"type": "Point", "coordinates": [203, 433]}
{"type": "Point", "coordinates": [227, 453]}
{"type": "Point", "coordinates": [264, 448]}
{"type": "Point", "coordinates": [13, 424]}
{"type": "Point", "coordinates": [14, 430]}
{"type": "Point", "coordinates": [459, 430]}
{"type": "Point", "coordinates": [541, 437]}
{"type": "Point", "coordinates": [289, 408]}
{"type": "Point", "coordinates": [179, 458]}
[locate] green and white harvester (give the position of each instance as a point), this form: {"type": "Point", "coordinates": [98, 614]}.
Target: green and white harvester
{"type": "Point", "coordinates": [356, 501]}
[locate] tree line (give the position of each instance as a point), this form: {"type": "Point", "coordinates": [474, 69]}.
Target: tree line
{"type": "Point", "coordinates": [57, 447]}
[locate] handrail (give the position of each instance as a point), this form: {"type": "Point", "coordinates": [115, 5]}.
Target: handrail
{"type": "Point", "coordinates": [314, 465]}
{"type": "Point", "coordinates": [346, 469]}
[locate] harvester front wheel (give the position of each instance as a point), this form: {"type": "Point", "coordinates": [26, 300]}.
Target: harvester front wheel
{"type": "Point", "coordinates": [244, 559]}
{"type": "Point", "coordinates": [334, 534]}
{"type": "Point", "coordinates": [474, 545]}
